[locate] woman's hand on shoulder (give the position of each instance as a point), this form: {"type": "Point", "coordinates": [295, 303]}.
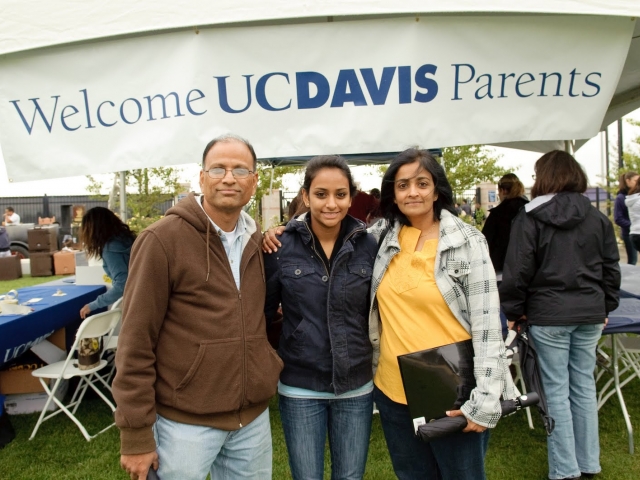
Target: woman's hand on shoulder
{"type": "Point", "coordinates": [270, 242]}
{"type": "Point", "coordinates": [471, 425]}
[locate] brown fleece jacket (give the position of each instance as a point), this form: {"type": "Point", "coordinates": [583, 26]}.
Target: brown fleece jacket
{"type": "Point", "coordinates": [192, 348]}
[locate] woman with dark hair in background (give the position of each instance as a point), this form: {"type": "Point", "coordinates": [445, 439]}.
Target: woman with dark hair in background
{"type": "Point", "coordinates": [497, 228]}
{"type": "Point", "coordinates": [561, 275]}
{"type": "Point", "coordinates": [627, 181]}
{"type": "Point", "coordinates": [433, 284]}
{"type": "Point", "coordinates": [105, 235]}
{"type": "Point", "coordinates": [321, 275]}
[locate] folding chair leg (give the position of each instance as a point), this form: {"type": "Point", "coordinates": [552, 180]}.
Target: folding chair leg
{"type": "Point", "coordinates": [44, 410]}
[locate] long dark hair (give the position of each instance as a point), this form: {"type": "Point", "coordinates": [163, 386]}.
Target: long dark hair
{"type": "Point", "coordinates": [390, 209]}
{"type": "Point", "coordinates": [557, 171]}
{"type": "Point", "coordinates": [622, 186]}
{"type": "Point", "coordinates": [99, 225]}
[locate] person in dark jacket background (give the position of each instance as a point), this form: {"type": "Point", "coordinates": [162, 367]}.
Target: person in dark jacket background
{"type": "Point", "coordinates": [561, 274]}
{"type": "Point", "coordinates": [627, 180]}
{"type": "Point", "coordinates": [497, 228]}
{"type": "Point", "coordinates": [322, 276]}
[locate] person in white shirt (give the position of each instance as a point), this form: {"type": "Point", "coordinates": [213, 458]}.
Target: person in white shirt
{"type": "Point", "coordinates": [11, 217]}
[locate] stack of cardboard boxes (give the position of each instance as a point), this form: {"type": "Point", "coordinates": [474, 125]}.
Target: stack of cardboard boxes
{"type": "Point", "coordinates": [23, 391]}
{"type": "Point", "coordinates": [43, 243]}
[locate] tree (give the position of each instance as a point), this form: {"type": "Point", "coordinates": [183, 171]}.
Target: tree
{"type": "Point", "coordinates": [467, 166]}
{"type": "Point", "coordinates": [265, 172]}
{"type": "Point", "coordinates": [631, 160]}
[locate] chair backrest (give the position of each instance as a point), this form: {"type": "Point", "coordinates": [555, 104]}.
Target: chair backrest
{"type": "Point", "coordinates": [116, 304]}
{"type": "Point", "coordinates": [99, 325]}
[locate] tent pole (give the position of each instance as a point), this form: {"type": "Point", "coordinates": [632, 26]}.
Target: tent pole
{"type": "Point", "coordinates": [606, 162]}
{"type": "Point", "coordinates": [271, 181]}
{"type": "Point", "coordinates": [568, 146]}
{"type": "Point", "coordinates": [123, 197]}
{"type": "Point", "coordinates": [620, 145]}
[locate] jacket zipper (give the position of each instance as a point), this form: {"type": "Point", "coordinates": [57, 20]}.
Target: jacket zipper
{"type": "Point", "coordinates": [244, 345]}
{"type": "Point", "coordinates": [313, 247]}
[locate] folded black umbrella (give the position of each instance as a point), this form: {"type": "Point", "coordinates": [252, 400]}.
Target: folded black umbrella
{"type": "Point", "coordinates": [519, 340]}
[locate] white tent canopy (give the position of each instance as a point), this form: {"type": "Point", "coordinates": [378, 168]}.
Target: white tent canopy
{"type": "Point", "coordinates": [117, 54]}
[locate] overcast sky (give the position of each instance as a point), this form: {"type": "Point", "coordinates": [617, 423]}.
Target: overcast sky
{"type": "Point", "coordinates": [519, 161]}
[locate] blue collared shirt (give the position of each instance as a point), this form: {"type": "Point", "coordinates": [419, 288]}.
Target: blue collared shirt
{"type": "Point", "coordinates": [231, 241]}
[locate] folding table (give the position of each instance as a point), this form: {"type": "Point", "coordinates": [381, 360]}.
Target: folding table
{"type": "Point", "coordinates": [624, 363]}
{"type": "Point", "coordinates": [18, 333]}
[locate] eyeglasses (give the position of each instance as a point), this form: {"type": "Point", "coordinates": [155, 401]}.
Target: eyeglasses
{"type": "Point", "coordinates": [221, 172]}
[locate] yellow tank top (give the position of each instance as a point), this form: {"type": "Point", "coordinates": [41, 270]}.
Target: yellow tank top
{"type": "Point", "coordinates": [414, 315]}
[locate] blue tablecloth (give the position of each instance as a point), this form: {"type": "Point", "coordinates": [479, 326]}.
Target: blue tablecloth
{"type": "Point", "coordinates": [18, 333]}
{"type": "Point", "coordinates": [625, 318]}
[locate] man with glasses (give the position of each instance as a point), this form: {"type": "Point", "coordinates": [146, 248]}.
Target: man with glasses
{"type": "Point", "coordinates": [195, 371]}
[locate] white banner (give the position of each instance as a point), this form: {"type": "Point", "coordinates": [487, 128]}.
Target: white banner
{"type": "Point", "coordinates": [345, 87]}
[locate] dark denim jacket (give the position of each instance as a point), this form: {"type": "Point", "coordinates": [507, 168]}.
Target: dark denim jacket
{"type": "Point", "coordinates": [325, 335]}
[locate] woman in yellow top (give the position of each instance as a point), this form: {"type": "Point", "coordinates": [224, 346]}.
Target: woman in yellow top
{"type": "Point", "coordinates": [433, 284]}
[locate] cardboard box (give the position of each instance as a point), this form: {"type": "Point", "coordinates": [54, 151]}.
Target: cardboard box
{"type": "Point", "coordinates": [10, 268]}
{"type": "Point", "coordinates": [43, 239]}
{"type": "Point", "coordinates": [19, 404]}
{"type": "Point", "coordinates": [64, 263]}
{"type": "Point", "coordinates": [41, 264]}
{"type": "Point", "coordinates": [16, 378]}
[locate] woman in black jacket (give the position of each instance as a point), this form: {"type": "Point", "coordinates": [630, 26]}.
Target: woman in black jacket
{"type": "Point", "coordinates": [497, 228]}
{"type": "Point", "coordinates": [561, 274]}
{"type": "Point", "coordinates": [322, 275]}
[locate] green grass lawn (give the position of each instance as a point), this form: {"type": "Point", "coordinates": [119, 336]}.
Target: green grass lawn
{"type": "Point", "coordinates": [25, 281]}
{"type": "Point", "coordinates": [59, 450]}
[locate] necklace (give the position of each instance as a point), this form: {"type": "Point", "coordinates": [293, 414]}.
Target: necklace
{"type": "Point", "coordinates": [430, 230]}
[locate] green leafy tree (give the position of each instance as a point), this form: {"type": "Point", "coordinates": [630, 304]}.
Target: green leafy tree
{"type": "Point", "coordinates": [147, 188]}
{"type": "Point", "coordinates": [265, 172]}
{"type": "Point", "coordinates": [469, 165]}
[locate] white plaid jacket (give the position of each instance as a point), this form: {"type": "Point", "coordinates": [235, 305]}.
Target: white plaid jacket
{"type": "Point", "coordinates": [466, 279]}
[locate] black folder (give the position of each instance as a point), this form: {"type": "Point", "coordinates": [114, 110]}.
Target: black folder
{"type": "Point", "coordinates": [437, 380]}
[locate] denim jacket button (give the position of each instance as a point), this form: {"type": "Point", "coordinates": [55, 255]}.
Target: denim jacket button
{"type": "Point", "coordinates": [325, 278]}
{"type": "Point", "coordinates": [298, 271]}
{"type": "Point", "coordinates": [363, 271]}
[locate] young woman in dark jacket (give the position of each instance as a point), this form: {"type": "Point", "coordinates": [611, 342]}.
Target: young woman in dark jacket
{"type": "Point", "coordinates": [561, 273]}
{"type": "Point", "coordinates": [497, 228]}
{"type": "Point", "coordinates": [621, 214]}
{"type": "Point", "coordinates": [321, 275]}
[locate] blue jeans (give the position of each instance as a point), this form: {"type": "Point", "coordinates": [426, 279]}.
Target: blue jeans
{"type": "Point", "coordinates": [306, 422]}
{"type": "Point", "coordinates": [189, 452]}
{"type": "Point", "coordinates": [456, 457]}
{"type": "Point", "coordinates": [567, 359]}
{"type": "Point", "coordinates": [632, 253]}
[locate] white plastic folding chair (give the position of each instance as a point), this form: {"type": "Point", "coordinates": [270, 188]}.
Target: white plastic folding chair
{"type": "Point", "coordinates": [95, 326]}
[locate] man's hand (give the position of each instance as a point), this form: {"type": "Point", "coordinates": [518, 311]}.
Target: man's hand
{"type": "Point", "coordinates": [270, 242]}
{"type": "Point", "coordinates": [137, 466]}
{"type": "Point", "coordinates": [471, 426]}
{"type": "Point", "coordinates": [84, 311]}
